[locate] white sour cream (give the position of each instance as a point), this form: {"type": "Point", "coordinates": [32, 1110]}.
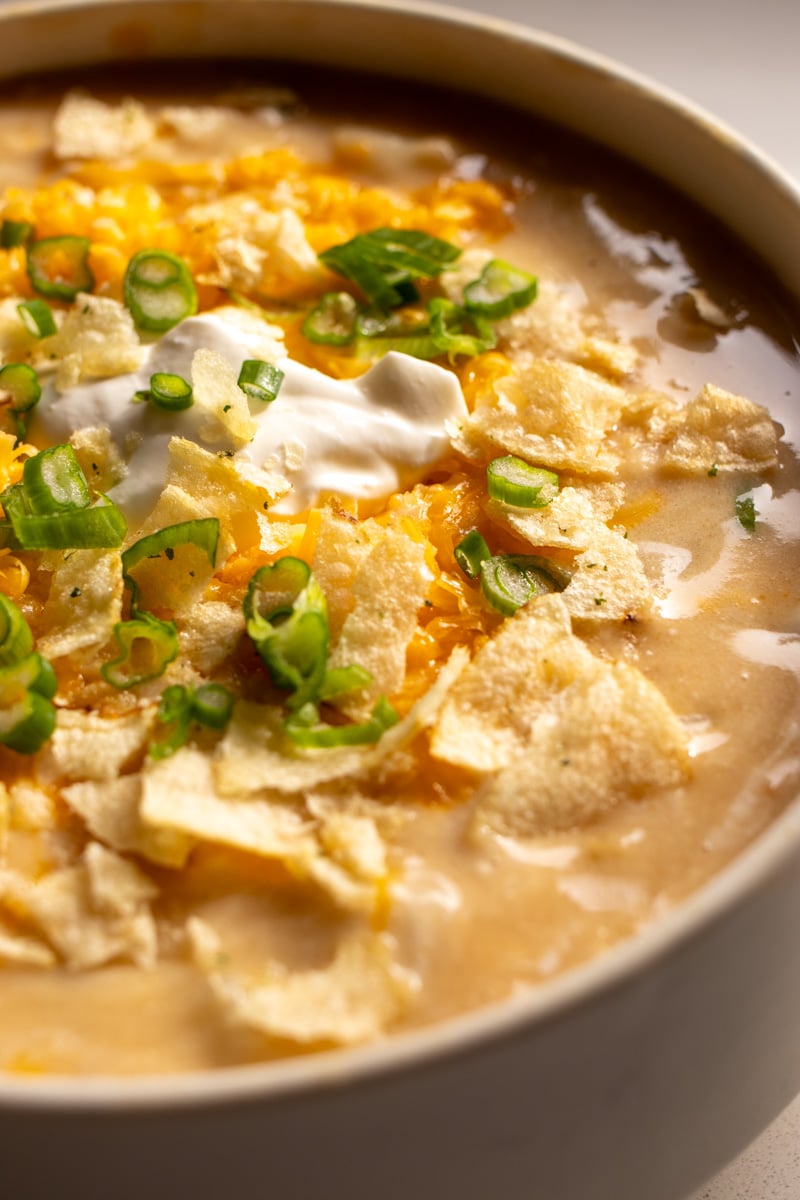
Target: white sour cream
{"type": "Point", "coordinates": [362, 438]}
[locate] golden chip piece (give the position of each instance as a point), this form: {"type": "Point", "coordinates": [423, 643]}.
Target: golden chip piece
{"type": "Point", "coordinates": [388, 589]}
{"type": "Point", "coordinates": [110, 810]}
{"type": "Point", "coordinates": [85, 127]}
{"type": "Point", "coordinates": [486, 720]}
{"type": "Point", "coordinates": [553, 413]}
{"type": "Point", "coordinates": [94, 912]}
{"type": "Point", "coordinates": [84, 602]}
{"type": "Point", "coordinates": [97, 339]}
{"type": "Point", "coordinates": [350, 1001]}
{"type": "Point", "coordinates": [85, 745]}
{"type": "Point", "coordinates": [608, 737]}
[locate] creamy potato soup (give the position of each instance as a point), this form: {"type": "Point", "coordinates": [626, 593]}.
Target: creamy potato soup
{"type": "Point", "coordinates": [398, 567]}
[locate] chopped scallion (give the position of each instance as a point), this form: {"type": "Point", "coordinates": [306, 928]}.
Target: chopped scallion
{"type": "Point", "coordinates": [516, 482]}
{"type": "Point", "coordinates": [15, 233]}
{"type": "Point", "coordinates": [746, 512]}
{"type": "Point", "coordinates": [332, 322]}
{"type": "Point", "coordinates": [147, 646]}
{"type": "Point", "coordinates": [37, 317]}
{"type": "Point", "coordinates": [470, 552]}
{"type": "Point", "coordinates": [170, 392]}
{"type": "Point", "coordinates": [327, 737]}
{"type": "Point", "coordinates": [22, 384]}
{"type": "Point", "coordinates": [260, 380]}
{"type": "Point", "coordinates": [58, 267]}
{"type": "Point", "coordinates": [500, 290]}
{"type": "Point", "coordinates": [159, 290]}
{"type": "Point", "coordinates": [456, 331]}
{"type": "Point", "coordinates": [384, 262]}
{"type": "Point", "coordinates": [510, 580]}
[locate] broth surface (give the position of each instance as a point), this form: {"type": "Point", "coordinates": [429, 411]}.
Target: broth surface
{"type": "Point", "coordinates": [470, 919]}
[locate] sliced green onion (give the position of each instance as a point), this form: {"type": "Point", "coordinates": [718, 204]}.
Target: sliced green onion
{"type": "Point", "coordinates": [15, 233]}
{"type": "Point", "coordinates": [147, 646]}
{"type": "Point", "coordinates": [49, 509]}
{"type": "Point", "coordinates": [159, 290]}
{"type": "Point", "coordinates": [286, 616]}
{"type": "Point", "coordinates": [470, 552]}
{"type": "Point", "coordinates": [379, 332]}
{"type": "Point", "coordinates": [100, 528]}
{"type": "Point", "coordinates": [260, 380]}
{"type": "Point", "coordinates": [332, 322]}
{"type": "Point", "coordinates": [500, 290]}
{"type": "Point", "coordinates": [212, 705]}
{"type": "Point", "coordinates": [28, 724]}
{"type": "Point", "coordinates": [174, 708]}
{"type": "Point", "coordinates": [327, 737]}
{"type": "Point", "coordinates": [16, 639]}
{"type": "Point", "coordinates": [516, 482]}
{"type": "Point", "coordinates": [202, 533]}
{"type": "Point", "coordinates": [27, 718]}
{"type": "Point", "coordinates": [58, 267]}
{"type": "Point", "coordinates": [53, 482]}
{"type": "Point", "coordinates": [510, 580]}
{"type": "Point", "coordinates": [456, 331]}
{"type": "Point", "coordinates": [277, 591]}
{"type": "Point", "coordinates": [22, 384]}
{"type": "Point", "coordinates": [37, 317]}
{"type": "Point", "coordinates": [384, 263]}
{"type": "Point", "coordinates": [340, 680]}
{"type": "Point", "coordinates": [746, 513]}
{"type": "Point", "coordinates": [170, 392]}
{"type": "Point", "coordinates": [296, 655]}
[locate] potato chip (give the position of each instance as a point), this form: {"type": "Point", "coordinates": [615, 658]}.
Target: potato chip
{"type": "Point", "coordinates": [85, 745]}
{"type": "Point", "coordinates": [96, 339]}
{"type": "Point", "coordinates": [352, 1000]}
{"type": "Point", "coordinates": [609, 582]}
{"type": "Point", "coordinates": [24, 951]}
{"type": "Point", "coordinates": [252, 243]}
{"type": "Point", "coordinates": [217, 392]}
{"type": "Point", "coordinates": [388, 589]}
{"type": "Point", "coordinates": [723, 431]}
{"type": "Point", "coordinates": [95, 912]}
{"type": "Point", "coordinates": [84, 127]}
{"type": "Point", "coordinates": [488, 716]}
{"type": "Point", "coordinates": [570, 521]}
{"type": "Point", "coordinates": [209, 634]}
{"type": "Point", "coordinates": [98, 458]}
{"type": "Point", "coordinates": [341, 547]}
{"type": "Point", "coordinates": [29, 807]}
{"type": "Point", "coordinates": [84, 602]}
{"type": "Point", "coordinates": [254, 755]}
{"type": "Point", "coordinates": [552, 413]}
{"type": "Point", "coordinates": [608, 738]}
{"type": "Point", "coordinates": [110, 811]}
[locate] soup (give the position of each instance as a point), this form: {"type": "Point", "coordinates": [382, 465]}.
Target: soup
{"type": "Point", "coordinates": [399, 562]}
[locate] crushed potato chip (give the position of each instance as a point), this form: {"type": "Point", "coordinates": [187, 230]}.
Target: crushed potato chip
{"type": "Point", "coordinates": [607, 737]}
{"type": "Point", "coordinates": [552, 413]}
{"type": "Point", "coordinates": [388, 589]}
{"type": "Point", "coordinates": [97, 338]}
{"type": "Point", "coordinates": [95, 912]}
{"type": "Point", "coordinates": [609, 581]}
{"type": "Point", "coordinates": [85, 127]}
{"type": "Point", "coordinates": [86, 745]}
{"type": "Point", "coordinates": [487, 718]}
{"type": "Point", "coordinates": [110, 810]}
{"type": "Point", "coordinates": [84, 602]}
{"type": "Point", "coordinates": [217, 392]}
{"type": "Point", "coordinates": [352, 1000]}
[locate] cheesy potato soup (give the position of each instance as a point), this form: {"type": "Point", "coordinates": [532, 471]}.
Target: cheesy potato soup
{"type": "Point", "coordinates": [398, 563]}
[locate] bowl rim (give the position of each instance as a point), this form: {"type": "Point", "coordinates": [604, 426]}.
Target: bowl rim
{"type": "Point", "coordinates": [471, 1032]}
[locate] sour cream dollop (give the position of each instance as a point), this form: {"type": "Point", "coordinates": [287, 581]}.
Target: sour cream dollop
{"type": "Point", "coordinates": [363, 438]}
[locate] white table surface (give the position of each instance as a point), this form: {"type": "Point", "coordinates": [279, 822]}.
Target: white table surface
{"type": "Point", "coordinates": [739, 59]}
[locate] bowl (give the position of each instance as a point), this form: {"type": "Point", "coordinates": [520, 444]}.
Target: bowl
{"type": "Point", "coordinates": [637, 1075]}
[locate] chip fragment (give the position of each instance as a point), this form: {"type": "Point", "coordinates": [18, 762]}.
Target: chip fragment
{"type": "Point", "coordinates": [608, 738]}
{"type": "Point", "coordinates": [352, 1000]}
{"type": "Point", "coordinates": [85, 127]}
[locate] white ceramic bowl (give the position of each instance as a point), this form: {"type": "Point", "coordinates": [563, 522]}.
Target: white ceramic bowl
{"type": "Point", "coordinates": [632, 1078]}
